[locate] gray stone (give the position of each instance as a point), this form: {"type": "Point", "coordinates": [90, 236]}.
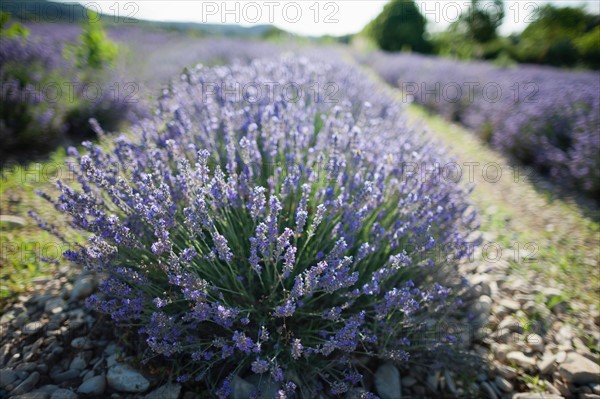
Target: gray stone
{"type": "Point", "coordinates": [54, 305]}
{"type": "Point", "coordinates": [7, 377]}
{"type": "Point", "coordinates": [14, 360]}
{"type": "Point", "coordinates": [520, 359]}
{"type": "Point", "coordinates": [532, 395]}
{"type": "Point", "coordinates": [510, 304]}
{"type": "Point", "coordinates": [4, 352]}
{"type": "Point", "coordinates": [167, 391]}
{"type": "Point", "coordinates": [579, 370]}
{"type": "Point", "coordinates": [32, 328]}
{"type": "Point", "coordinates": [82, 343]}
{"type": "Point", "coordinates": [94, 386]}
{"type": "Point", "coordinates": [488, 390]}
{"type": "Point", "coordinates": [111, 349]}
{"type": "Point", "coordinates": [546, 365]}
{"type": "Point", "coordinates": [503, 384]}
{"type": "Point", "coordinates": [535, 342]}
{"type": "Point", "coordinates": [112, 360]}
{"type": "Point", "coordinates": [83, 288]}
{"type": "Point", "coordinates": [27, 385]}
{"type": "Point", "coordinates": [552, 389]}
{"type": "Point", "coordinates": [530, 307]}
{"type": "Point", "coordinates": [79, 362]}
{"type": "Point", "coordinates": [500, 352]}
{"type": "Point", "coordinates": [483, 281]}
{"type": "Point", "coordinates": [49, 389]}
{"type": "Point", "coordinates": [565, 335]}
{"type": "Point", "coordinates": [509, 324]}
{"type": "Point", "coordinates": [387, 382]}
{"type": "Point", "coordinates": [21, 374]}
{"type": "Point", "coordinates": [28, 367]}
{"type": "Point", "coordinates": [506, 371]}
{"type": "Point", "coordinates": [64, 394]}
{"type": "Point", "coordinates": [21, 320]}
{"type": "Point", "coordinates": [87, 374]}
{"type": "Point", "coordinates": [560, 357]}
{"type": "Point", "coordinates": [125, 379]}
{"type": "Point", "coordinates": [65, 376]}
{"type": "Point", "coordinates": [482, 306]}
{"type": "Point", "coordinates": [32, 395]}
{"type": "Point", "coordinates": [595, 388]}
{"type": "Point", "coordinates": [241, 389]}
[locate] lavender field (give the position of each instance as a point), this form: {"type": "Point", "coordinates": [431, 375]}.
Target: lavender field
{"type": "Point", "coordinates": [197, 216]}
{"type": "Point", "coordinates": [542, 116]}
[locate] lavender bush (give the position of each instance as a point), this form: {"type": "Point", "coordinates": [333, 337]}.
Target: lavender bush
{"type": "Point", "coordinates": [27, 122]}
{"type": "Point", "coordinates": [46, 101]}
{"type": "Point", "coordinates": [543, 116]}
{"type": "Point", "coordinates": [275, 235]}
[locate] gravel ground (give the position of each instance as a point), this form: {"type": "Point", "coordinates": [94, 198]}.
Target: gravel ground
{"type": "Point", "coordinates": [52, 346]}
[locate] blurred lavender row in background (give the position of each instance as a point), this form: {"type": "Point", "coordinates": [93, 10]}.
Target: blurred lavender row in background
{"type": "Point", "coordinates": [544, 117]}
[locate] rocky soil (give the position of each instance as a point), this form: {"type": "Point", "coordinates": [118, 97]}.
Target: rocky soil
{"type": "Point", "coordinates": [53, 347]}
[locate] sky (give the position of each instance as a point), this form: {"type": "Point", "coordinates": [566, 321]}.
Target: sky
{"type": "Point", "coordinates": [314, 17]}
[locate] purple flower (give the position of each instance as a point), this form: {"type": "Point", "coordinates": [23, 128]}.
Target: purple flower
{"type": "Point", "coordinates": [259, 366]}
{"type": "Point", "coordinates": [225, 390]}
{"type": "Point", "coordinates": [277, 374]}
{"type": "Point", "coordinates": [285, 310]}
{"type": "Point", "coordinates": [222, 247]}
{"type": "Point", "coordinates": [242, 343]}
{"type": "Point", "coordinates": [297, 348]}
{"type": "Point", "coordinates": [289, 260]}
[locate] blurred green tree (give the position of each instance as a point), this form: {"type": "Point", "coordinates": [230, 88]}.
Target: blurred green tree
{"type": "Point", "coordinates": [588, 46]}
{"type": "Point", "coordinates": [559, 36]}
{"type": "Point", "coordinates": [95, 50]}
{"type": "Point", "coordinates": [474, 34]}
{"type": "Point", "coordinates": [13, 30]}
{"type": "Point", "coordinates": [400, 26]}
{"type": "Point", "coordinates": [483, 19]}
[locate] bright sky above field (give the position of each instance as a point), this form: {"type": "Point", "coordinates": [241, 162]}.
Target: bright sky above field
{"type": "Point", "coordinates": [312, 17]}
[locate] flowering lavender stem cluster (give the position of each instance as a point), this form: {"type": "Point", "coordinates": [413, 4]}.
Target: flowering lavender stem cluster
{"type": "Point", "coordinates": [542, 116]}
{"type": "Point", "coordinates": [268, 236]}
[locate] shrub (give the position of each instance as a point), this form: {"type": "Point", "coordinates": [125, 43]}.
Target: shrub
{"type": "Point", "coordinates": [95, 51]}
{"type": "Point", "coordinates": [558, 37]}
{"type": "Point", "coordinates": [271, 235]}
{"type": "Point", "coordinates": [43, 96]}
{"type": "Point", "coordinates": [28, 122]}
{"type": "Point", "coordinates": [400, 26]}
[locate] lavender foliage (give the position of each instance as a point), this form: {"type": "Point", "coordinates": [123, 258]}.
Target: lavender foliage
{"type": "Point", "coordinates": [45, 100]}
{"type": "Point", "coordinates": [544, 117]}
{"type": "Point", "coordinates": [273, 234]}
{"type": "Point", "coordinates": [26, 120]}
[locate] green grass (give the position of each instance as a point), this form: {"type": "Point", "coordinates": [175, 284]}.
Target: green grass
{"type": "Point", "coordinates": [22, 243]}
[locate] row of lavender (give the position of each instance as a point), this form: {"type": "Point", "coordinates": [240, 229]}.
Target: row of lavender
{"type": "Point", "coordinates": [47, 101]}
{"type": "Point", "coordinates": [542, 116]}
{"type": "Point", "coordinates": [263, 234]}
